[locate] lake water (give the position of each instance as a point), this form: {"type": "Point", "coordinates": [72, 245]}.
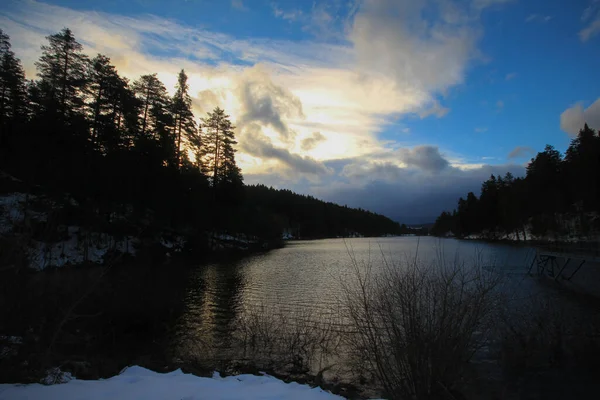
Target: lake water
{"type": "Point", "coordinates": [303, 282]}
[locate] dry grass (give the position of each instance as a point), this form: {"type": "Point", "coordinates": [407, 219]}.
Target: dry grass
{"type": "Point", "coordinates": [287, 342]}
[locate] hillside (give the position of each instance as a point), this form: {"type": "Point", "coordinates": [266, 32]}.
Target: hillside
{"type": "Point", "coordinates": [307, 217]}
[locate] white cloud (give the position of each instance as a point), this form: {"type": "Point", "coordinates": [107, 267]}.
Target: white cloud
{"type": "Point", "coordinates": [575, 117]}
{"type": "Point", "coordinates": [499, 105]}
{"type": "Point", "coordinates": [481, 129]}
{"type": "Point", "coordinates": [510, 76]}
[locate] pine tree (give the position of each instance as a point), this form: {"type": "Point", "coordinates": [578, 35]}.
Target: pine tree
{"type": "Point", "coordinates": [183, 118]}
{"type": "Point", "coordinates": [582, 169]}
{"type": "Point", "coordinates": [62, 67]}
{"type": "Point", "coordinates": [13, 93]}
{"type": "Point", "coordinates": [219, 139]}
{"type": "Point", "coordinates": [156, 119]}
{"type": "Point", "coordinates": [108, 91]}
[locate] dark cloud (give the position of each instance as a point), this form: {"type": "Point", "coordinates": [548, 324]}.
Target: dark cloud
{"type": "Point", "coordinates": [311, 142]}
{"type": "Point", "coordinates": [409, 196]}
{"type": "Point", "coordinates": [520, 152]}
{"type": "Point", "coordinates": [265, 103]}
{"type": "Point", "coordinates": [256, 144]}
{"type": "Point", "coordinates": [426, 158]}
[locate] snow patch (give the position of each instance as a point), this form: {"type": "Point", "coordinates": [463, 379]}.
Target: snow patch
{"type": "Point", "coordinates": [140, 383]}
{"type": "Point", "coordinates": [79, 247]}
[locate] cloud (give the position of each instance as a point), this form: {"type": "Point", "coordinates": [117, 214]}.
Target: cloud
{"type": "Point", "coordinates": [510, 76]}
{"type": "Point", "coordinates": [426, 158]}
{"type": "Point", "coordinates": [436, 109]}
{"type": "Point", "coordinates": [265, 102]}
{"type": "Point", "coordinates": [592, 12]}
{"type": "Point", "coordinates": [408, 195]}
{"type": "Point", "coordinates": [531, 17]}
{"type": "Point", "coordinates": [537, 17]}
{"type": "Point", "coordinates": [238, 5]}
{"type": "Point", "coordinates": [481, 4]}
{"type": "Point", "coordinates": [590, 31]}
{"type": "Point", "coordinates": [499, 105]}
{"type": "Point", "coordinates": [520, 152]}
{"type": "Point", "coordinates": [481, 129]}
{"type": "Point", "coordinates": [392, 38]}
{"type": "Point", "coordinates": [311, 142]}
{"type": "Point", "coordinates": [573, 119]}
{"type": "Point", "coordinates": [291, 15]}
{"type": "Point", "coordinates": [256, 144]}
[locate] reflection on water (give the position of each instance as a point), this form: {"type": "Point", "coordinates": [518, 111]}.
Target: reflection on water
{"type": "Point", "coordinates": [303, 281]}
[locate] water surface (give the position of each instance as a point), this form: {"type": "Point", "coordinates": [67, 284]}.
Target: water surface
{"type": "Point", "coordinates": [303, 281]}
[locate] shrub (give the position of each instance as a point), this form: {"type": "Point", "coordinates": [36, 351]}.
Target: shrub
{"type": "Point", "coordinates": [418, 327]}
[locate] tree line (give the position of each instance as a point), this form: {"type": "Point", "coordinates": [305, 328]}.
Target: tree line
{"type": "Point", "coordinates": [122, 147]}
{"type": "Point", "coordinates": [306, 217]}
{"type": "Point", "coordinates": [559, 197]}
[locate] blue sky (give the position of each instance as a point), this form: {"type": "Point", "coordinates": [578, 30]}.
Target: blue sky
{"type": "Point", "coordinates": [399, 106]}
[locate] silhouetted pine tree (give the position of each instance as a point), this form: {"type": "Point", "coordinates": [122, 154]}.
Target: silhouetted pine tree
{"type": "Point", "coordinates": [108, 92]}
{"type": "Point", "coordinates": [13, 94]}
{"type": "Point", "coordinates": [157, 136]}
{"type": "Point", "coordinates": [183, 118]}
{"type": "Point", "coordinates": [62, 72]}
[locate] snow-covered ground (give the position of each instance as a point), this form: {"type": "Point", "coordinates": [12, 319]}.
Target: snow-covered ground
{"type": "Point", "coordinates": [137, 383]}
{"type": "Point", "coordinates": [79, 247]}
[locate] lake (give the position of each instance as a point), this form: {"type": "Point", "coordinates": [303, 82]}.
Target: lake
{"type": "Point", "coordinates": [302, 282]}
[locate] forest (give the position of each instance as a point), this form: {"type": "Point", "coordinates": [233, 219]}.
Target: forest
{"type": "Point", "coordinates": [558, 199]}
{"type": "Point", "coordinates": [128, 151]}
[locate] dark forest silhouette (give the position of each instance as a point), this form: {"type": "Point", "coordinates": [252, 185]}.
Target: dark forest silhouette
{"type": "Point", "coordinates": [128, 148]}
{"type": "Point", "coordinates": [559, 198]}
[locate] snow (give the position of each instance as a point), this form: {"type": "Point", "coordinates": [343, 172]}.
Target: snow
{"type": "Point", "coordinates": [140, 383]}
{"type": "Point", "coordinates": [79, 247]}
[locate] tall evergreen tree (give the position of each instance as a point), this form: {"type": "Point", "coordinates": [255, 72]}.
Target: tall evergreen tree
{"type": "Point", "coordinates": [156, 120]}
{"type": "Point", "coordinates": [183, 118]}
{"type": "Point", "coordinates": [13, 93]}
{"type": "Point", "coordinates": [218, 141]}
{"type": "Point", "coordinates": [62, 67]}
{"type": "Point", "coordinates": [108, 91]}
{"type": "Point", "coordinates": [582, 169]}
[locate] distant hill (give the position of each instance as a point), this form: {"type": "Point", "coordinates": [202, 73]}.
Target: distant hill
{"type": "Point", "coordinates": [307, 217]}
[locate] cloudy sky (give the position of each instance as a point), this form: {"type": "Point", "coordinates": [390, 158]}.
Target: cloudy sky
{"type": "Point", "coordinates": [398, 106]}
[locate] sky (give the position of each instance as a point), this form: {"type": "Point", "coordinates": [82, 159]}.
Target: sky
{"type": "Point", "coordinates": [396, 106]}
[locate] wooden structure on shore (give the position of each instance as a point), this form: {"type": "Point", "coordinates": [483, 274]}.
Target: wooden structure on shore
{"type": "Point", "coordinates": [554, 261]}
